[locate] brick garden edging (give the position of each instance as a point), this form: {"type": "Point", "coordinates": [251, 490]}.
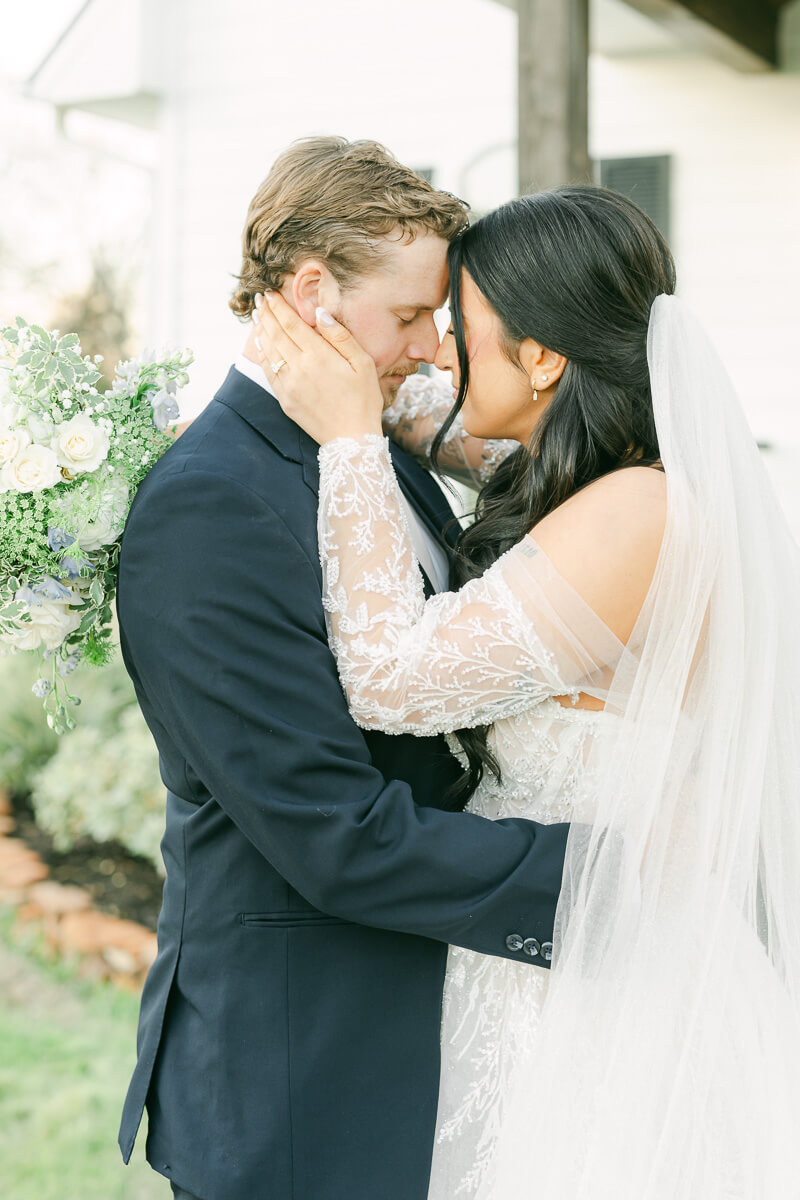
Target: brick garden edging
{"type": "Point", "coordinates": [105, 947]}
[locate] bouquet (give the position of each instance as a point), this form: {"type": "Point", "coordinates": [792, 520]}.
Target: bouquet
{"type": "Point", "coordinates": [71, 459]}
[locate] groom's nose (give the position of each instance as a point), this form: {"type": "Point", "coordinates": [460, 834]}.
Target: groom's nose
{"type": "Point", "coordinates": [425, 342]}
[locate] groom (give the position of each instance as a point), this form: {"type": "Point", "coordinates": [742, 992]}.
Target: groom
{"type": "Point", "coordinates": [288, 1042]}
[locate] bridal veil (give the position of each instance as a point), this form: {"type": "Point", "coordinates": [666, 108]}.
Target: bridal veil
{"type": "Point", "coordinates": [667, 1064]}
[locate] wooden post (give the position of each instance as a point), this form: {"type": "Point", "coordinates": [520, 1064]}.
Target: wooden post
{"type": "Point", "coordinates": [553, 93]}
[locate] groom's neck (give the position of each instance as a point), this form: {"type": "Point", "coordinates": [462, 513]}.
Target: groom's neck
{"type": "Point", "coordinates": [250, 350]}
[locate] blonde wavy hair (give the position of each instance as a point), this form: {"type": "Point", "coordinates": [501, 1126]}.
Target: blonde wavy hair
{"type": "Point", "coordinates": [335, 200]}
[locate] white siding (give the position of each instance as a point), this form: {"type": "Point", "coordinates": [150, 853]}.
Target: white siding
{"type": "Point", "coordinates": [735, 142]}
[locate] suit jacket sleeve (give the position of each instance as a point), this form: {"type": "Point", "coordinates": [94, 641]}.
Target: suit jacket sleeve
{"type": "Point", "coordinates": [223, 628]}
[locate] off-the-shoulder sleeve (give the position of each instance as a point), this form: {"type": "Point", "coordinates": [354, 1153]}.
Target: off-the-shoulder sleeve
{"type": "Point", "coordinates": [497, 647]}
{"type": "Point", "coordinates": [417, 415]}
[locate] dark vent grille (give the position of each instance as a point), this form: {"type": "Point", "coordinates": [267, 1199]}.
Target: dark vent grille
{"type": "Point", "coordinates": [646, 181]}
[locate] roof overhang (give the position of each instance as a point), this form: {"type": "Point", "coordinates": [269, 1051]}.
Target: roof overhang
{"type": "Point", "coordinates": [103, 63]}
{"type": "Point", "coordinates": [742, 33]}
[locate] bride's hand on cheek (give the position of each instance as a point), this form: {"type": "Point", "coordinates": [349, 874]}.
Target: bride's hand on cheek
{"type": "Point", "coordinates": [322, 378]}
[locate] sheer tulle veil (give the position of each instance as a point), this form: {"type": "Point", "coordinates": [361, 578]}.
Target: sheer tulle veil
{"type": "Point", "coordinates": [667, 1066]}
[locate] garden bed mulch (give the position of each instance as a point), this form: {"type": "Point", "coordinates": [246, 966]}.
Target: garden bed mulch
{"type": "Point", "coordinates": [95, 903]}
{"type": "Point", "coordinates": [119, 882]}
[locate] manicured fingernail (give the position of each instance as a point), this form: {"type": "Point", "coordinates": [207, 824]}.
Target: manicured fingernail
{"type": "Point", "coordinates": [258, 343]}
{"type": "Point", "coordinates": [324, 317]}
{"type": "Point", "coordinates": [259, 299]}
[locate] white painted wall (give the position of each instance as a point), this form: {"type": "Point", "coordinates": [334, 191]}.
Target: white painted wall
{"type": "Point", "coordinates": [735, 141]}
{"type": "Point", "coordinates": [436, 83]}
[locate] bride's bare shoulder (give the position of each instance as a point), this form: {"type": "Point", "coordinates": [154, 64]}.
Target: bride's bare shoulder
{"type": "Point", "coordinates": [605, 541]}
{"type": "Point", "coordinates": [633, 500]}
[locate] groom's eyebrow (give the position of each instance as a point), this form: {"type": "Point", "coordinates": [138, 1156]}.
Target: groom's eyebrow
{"type": "Point", "coordinates": [414, 309]}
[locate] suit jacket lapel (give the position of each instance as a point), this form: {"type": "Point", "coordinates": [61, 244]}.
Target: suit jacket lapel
{"type": "Point", "coordinates": [261, 410]}
{"type": "Point", "coordinates": [427, 497]}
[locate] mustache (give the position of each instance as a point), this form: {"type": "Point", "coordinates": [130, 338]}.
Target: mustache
{"type": "Point", "coordinates": [404, 371]}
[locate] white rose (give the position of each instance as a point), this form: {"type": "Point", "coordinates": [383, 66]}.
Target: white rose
{"type": "Point", "coordinates": [80, 445]}
{"type": "Point", "coordinates": [11, 442]}
{"type": "Point", "coordinates": [34, 469]}
{"type": "Point", "coordinates": [50, 623]}
{"type": "Point", "coordinates": [109, 520]}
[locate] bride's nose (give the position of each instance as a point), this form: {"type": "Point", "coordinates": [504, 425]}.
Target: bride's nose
{"type": "Point", "coordinates": [446, 358]}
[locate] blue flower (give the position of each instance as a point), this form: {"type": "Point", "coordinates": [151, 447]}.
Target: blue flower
{"type": "Point", "coordinates": [165, 409]}
{"type": "Point", "coordinates": [72, 567]}
{"type": "Point", "coordinates": [68, 665]}
{"type": "Point", "coordinates": [42, 688]}
{"type": "Point", "coordinates": [59, 539]}
{"type": "Point", "coordinates": [47, 589]}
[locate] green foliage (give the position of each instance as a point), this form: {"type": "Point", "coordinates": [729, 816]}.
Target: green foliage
{"type": "Point", "coordinates": [102, 780]}
{"type": "Point", "coordinates": [105, 785]}
{"type": "Point", "coordinates": [68, 1051]}
{"type": "Point", "coordinates": [25, 741]}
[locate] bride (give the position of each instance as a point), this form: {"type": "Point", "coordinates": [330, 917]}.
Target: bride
{"type": "Point", "coordinates": [619, 651]}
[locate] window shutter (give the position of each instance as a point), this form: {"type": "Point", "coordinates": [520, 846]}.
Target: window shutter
{"type": "Point", "coordinates": [646, 181]}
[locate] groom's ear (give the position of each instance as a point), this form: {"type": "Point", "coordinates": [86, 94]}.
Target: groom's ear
{"type": "Point", "coordinates": [312, 287]}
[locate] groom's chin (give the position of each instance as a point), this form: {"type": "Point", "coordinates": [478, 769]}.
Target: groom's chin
{"type": "Point", "coordinates": [389, 389]}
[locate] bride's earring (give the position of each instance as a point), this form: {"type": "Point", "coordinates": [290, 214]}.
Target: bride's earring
{"type": "Point", "coordinates": [533, 385]}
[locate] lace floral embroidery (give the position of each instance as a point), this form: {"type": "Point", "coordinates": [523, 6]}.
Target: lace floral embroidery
{"type": "Point", "coordinates": [418, 413]}
{"type": "Point", "coordinates": [460, 659]}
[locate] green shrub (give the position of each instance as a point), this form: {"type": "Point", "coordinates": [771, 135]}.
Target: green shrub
{"type": "Point", "coordinates": [26, 743]}
{"type": "Point", "coordinates": [103, 782]}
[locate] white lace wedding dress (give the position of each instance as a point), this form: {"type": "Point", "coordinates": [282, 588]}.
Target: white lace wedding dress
{"type": "Point", "coordinates": [660, 1058]}
{"type": "Point", "coordinates": [495, 653]}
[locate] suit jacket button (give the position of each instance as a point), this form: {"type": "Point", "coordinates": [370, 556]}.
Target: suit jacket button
{"type": "Point", "coordinates": [531, 947]}
{"type": "Point", "coordinates": [515, 941]}
{"type": "Point", "coordinates": [547, 951]}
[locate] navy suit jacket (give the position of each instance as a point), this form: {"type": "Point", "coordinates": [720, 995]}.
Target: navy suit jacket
{"type": "Point", "coordinates": [288, 1044]}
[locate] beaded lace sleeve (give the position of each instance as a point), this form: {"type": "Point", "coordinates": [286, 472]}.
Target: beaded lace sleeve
{"type": "Point", "coordinates": [497, 647]}
{"type": "Point", "coordinates": [416, 417]}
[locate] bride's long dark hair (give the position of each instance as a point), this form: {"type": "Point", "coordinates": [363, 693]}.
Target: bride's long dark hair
{"type": "Point", "coordinates": [577, 268]}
